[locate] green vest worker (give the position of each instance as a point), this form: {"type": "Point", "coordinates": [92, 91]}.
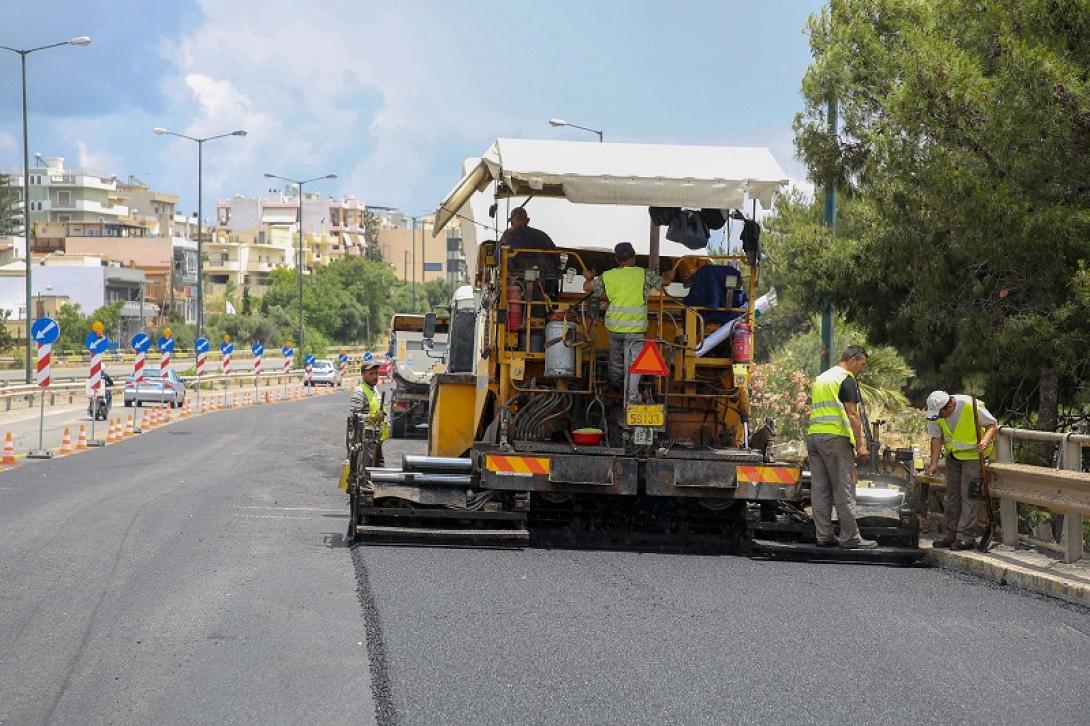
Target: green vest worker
{"type": "Point", "coordinates": [950, 425]}
{"type": "Point", "coordinates": [626, 286]}
{"type": "Point", "coordinates": [835, 429]}
{"type": "Point", "coordinates": [365, 399]}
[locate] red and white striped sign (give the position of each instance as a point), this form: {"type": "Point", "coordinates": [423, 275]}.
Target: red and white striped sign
{"type": "Point", "coordinates": [45, 359]}
{"type": "Point", "coordinates": [201, 356]}
{"type": "Point", "coordinates": [164, 363]}
{"type": "Point", "coordinates": [225, 364]}
{"type": "Point", "coordinates": [94, 380]}
{"type": "Point", "coordinates": [257, 365]}
{"type": "Point", "coordinates": [138, 367]}
{"type": "Point", "coordinates": [287, 364]}
{"type": "Point", "coordinates": [310, 371]}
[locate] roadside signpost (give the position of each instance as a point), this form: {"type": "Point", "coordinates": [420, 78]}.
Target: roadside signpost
{"type": "Point", "coordinates": [166, 347]}
{"type": "Point", "coordinates": [343, 360]}
{"type": "Point", "coordinates": [258, 350]}
{"type": "Point", "coordinates": [96, 342]}
{"type": "Point", "coordinates": [141, 344]}
{"type": "Point", "coordinates": [310, 372]}
{"type": "Point", "coordinates": [201, 346]}
{"type": "Point", "coordinates": [288, 352]}
{"type": "Point", "coordinates": [45, 332]}
{"type": "Point", "coordinates": [226, 348]}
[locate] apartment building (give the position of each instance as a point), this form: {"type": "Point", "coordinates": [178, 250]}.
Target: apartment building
{"type": "Point", "coordinates": [409, 247]}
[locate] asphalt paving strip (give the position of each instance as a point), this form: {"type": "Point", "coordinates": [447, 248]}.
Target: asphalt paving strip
{"type": "Point", "coordinates": [381, 688]}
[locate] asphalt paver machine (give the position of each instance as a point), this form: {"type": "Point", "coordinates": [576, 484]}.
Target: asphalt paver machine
{"type": "Point", "coordinates": [527, 441]}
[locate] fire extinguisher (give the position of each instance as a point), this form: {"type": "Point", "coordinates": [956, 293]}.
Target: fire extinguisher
{"type": "Point", "coordinates": [514, 309]}
{"type": "Point", "coordinates": [741, 343]}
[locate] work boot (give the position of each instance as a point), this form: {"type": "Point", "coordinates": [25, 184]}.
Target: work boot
{"type": "Point", "coordinates": [863, 544]}
{"type": "Point", "coordinates": [942, 544]}
{"type": "Point", "coordinates": [963, 544]}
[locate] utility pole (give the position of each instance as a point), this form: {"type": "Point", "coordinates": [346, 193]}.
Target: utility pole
{"type": "Point", "coordinates": [830, 222]}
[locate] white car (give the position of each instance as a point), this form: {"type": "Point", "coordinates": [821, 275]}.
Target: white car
{"type": "Point", "coordinates": [325, 373]}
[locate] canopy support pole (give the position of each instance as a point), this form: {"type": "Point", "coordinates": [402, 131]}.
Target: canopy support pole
{"type": "Point", "coordinates": [653, 255]}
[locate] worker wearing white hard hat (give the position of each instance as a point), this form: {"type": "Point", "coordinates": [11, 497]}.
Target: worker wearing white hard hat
{"type": "Point", "coordinates": [950, 423]}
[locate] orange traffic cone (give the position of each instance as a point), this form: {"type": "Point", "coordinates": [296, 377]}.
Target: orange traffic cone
{"type": "Point", "coordinates": [81, 442]}
{"type": "Point", "coordinates": [110, 438]}
{"type": "Point", "coordinates": [66, 443]}
{"type": "Point", "coordinates": [9, 449]}
{"type": "Point", "coordinates": [166, 412]}
{"type": "Point", "coordinates": [129, 428]}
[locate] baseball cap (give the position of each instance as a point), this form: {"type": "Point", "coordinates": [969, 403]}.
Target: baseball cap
{"type": "Point", "coordinates": [935, 402]}
{"type": "Point", "coordinates": [624, 250]}
{"type": "Point", "coordinates": [370, 364]}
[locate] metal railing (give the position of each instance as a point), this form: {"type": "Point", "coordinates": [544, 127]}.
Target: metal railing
{"type": "Point", "coordinates": [1064, 489]}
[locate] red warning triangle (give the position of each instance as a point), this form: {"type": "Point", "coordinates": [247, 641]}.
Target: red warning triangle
{"type": "Point", "coordinates": [649, 362]}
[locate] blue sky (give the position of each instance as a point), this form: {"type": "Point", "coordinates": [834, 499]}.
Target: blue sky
{"type": "Point", "coordinates": [391, 96]}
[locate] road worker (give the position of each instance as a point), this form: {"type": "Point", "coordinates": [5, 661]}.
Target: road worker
{"type": "Point", "coordinates": [367, 400]}
{"type": "Point", "coordinates": [835, 430]}
{"type": "Point", "coordinates": [626, 286]}
{"type": "Point", "coordinates": [950, 425]}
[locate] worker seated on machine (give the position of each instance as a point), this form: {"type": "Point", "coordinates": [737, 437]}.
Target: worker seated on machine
{"type": "Point", "coordinates": [521, 236]}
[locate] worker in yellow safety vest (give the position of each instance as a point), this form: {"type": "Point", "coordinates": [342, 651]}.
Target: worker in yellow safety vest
{"type": "Point", "coordinates": [626, 286]}
{"type": "Point", "coordinates": [365, 399]}
{"type": "Point", "coordinates": [835, 430]}
{"type": "Point", "coordinates": [950, 425]}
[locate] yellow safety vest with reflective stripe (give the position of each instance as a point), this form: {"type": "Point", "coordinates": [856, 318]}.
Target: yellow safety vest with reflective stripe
{"type": "Point", "coordinates": [374, 406]}
{"type": "Point", "coordinates": [627, 312]}
{"type": "Point", "coordinates": [961, 442]}
{"type": "Point", "coordinates": [827, 412]}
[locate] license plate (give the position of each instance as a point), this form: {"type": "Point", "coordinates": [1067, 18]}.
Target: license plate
{"type": "Point", "coordinates": [646, 415]}
{"type": "Point", "coordinates": [643, 436]}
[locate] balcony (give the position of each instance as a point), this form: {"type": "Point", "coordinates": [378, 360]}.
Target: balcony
{"type": "Point", "coordinates": [213, 266]}
{"type": "Point", "coordinates": [86, 205]}
{"type": "Point", "coordinates": [89, 181]}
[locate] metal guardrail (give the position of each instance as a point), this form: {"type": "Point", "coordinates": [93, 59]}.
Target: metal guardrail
{"type": "Point", "coordinates": [72, 357]}
{"type": "Point", "coordinates": [1064, 489]}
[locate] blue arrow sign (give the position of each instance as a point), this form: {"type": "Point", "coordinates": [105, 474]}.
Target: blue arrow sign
{"type": "Point", "coordinates": [95, 344]}
{"type": "Point", "coordinates": [45, 331]}
{"type": "Point", "coordinates": [141, 343]}
{"type": "Point", "coordinates": [367, 357]}
{"type": "Point", "coordinates": [201, 345]}
{"type": "Point", "coordinates": [257, 349]}
{"type": "Point", "coordinates": [166, 345]}
{"type": "Point", "coordinates": [227, 348]}
{"type": "Point", "coordinates": [310, 360]}
{"type": "Point", "coordinates": [288, 352]}
{"type": "Point", "coordinates": [342, 358]}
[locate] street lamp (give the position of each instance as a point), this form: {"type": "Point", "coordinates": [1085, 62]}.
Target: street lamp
{"type": "Point", "coordinates": [562, 122]}
{"type": "Point", "coordinates": [160, 131]}
{"type": "Point", "coordinates": [299, 261]}
{"type": "Point", "coordinates": [81, 41]}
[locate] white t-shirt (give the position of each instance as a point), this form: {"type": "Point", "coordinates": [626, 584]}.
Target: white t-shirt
{"type": "Point", "coordinates": [961, 403]}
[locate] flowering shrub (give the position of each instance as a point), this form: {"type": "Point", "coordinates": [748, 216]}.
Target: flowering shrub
{"type": "Point", "coordinates": [781, 393]}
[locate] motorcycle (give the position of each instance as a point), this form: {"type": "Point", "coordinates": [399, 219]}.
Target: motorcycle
{"type": "Point", "coordinates": [98, 405]}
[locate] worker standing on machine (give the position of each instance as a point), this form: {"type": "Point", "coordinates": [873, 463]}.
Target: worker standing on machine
{"type": "Point", "coordinates": [950, 424]}
{"type": "Point", "coordinates": [367, 401]}
{"type": "Point", "coordinates": [835, 429]}
{"type": "Point", "coordinates": [626, 286]}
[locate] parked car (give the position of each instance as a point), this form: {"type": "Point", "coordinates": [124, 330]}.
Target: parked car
{"type": "Point", "coordinates": [155, 389]}
{"type": "Point", "coordinates": [325, 373]}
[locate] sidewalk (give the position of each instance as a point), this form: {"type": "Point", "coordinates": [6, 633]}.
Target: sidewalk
{"type": "Point", "coordinates": [1022, 567]}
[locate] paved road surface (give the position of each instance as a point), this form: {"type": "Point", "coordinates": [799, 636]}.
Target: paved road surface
{"type": "Point", "coordinates": [196, 575]}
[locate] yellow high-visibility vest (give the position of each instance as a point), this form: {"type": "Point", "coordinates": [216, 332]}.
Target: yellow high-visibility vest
{"type": "Point", "coordinates": [961, 442]}
{"type": "Point", "coordinates": [374, 407]}
{"type": "Point", "coordinates": [627, 312]}
{"type": "Point", "coordinates": [827, 412]}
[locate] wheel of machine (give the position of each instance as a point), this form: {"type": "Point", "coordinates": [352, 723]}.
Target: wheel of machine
{"type": "Point", "coordinates": [128, 404]}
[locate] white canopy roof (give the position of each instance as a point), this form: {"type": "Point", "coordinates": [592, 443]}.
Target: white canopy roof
{"type": "Point", "coordinates": [641, 175]}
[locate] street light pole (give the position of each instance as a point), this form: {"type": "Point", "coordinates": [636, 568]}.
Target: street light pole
{"type": "Point", "coordinates": [82, 41]}
{"type": "Point", "coordinates": [562, 122]}
{"type": "Point", "coordinates": [299, 260]}
{"type": "Point", "coordinates": [160, 131]}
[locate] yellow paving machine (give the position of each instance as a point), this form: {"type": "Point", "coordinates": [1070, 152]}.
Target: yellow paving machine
{"type": "Point", "coordinates": [527, 440]}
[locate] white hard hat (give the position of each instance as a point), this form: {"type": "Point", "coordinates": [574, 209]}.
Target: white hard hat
{"type": "Point", "coordinates": [935, 403]}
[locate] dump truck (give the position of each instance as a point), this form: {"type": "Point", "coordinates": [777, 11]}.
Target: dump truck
{"type": "Point", "coordinates": [527, 441]}
{"type": "Point", "coordinates": [413, 360]}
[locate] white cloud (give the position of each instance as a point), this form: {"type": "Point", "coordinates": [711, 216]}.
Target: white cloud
{"type": "Point", "coordinates": [96, 159]}
{"type": "Point", "coordinates": [328, 87]}
{"type": "Point", "coordinates": [7, 143]}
